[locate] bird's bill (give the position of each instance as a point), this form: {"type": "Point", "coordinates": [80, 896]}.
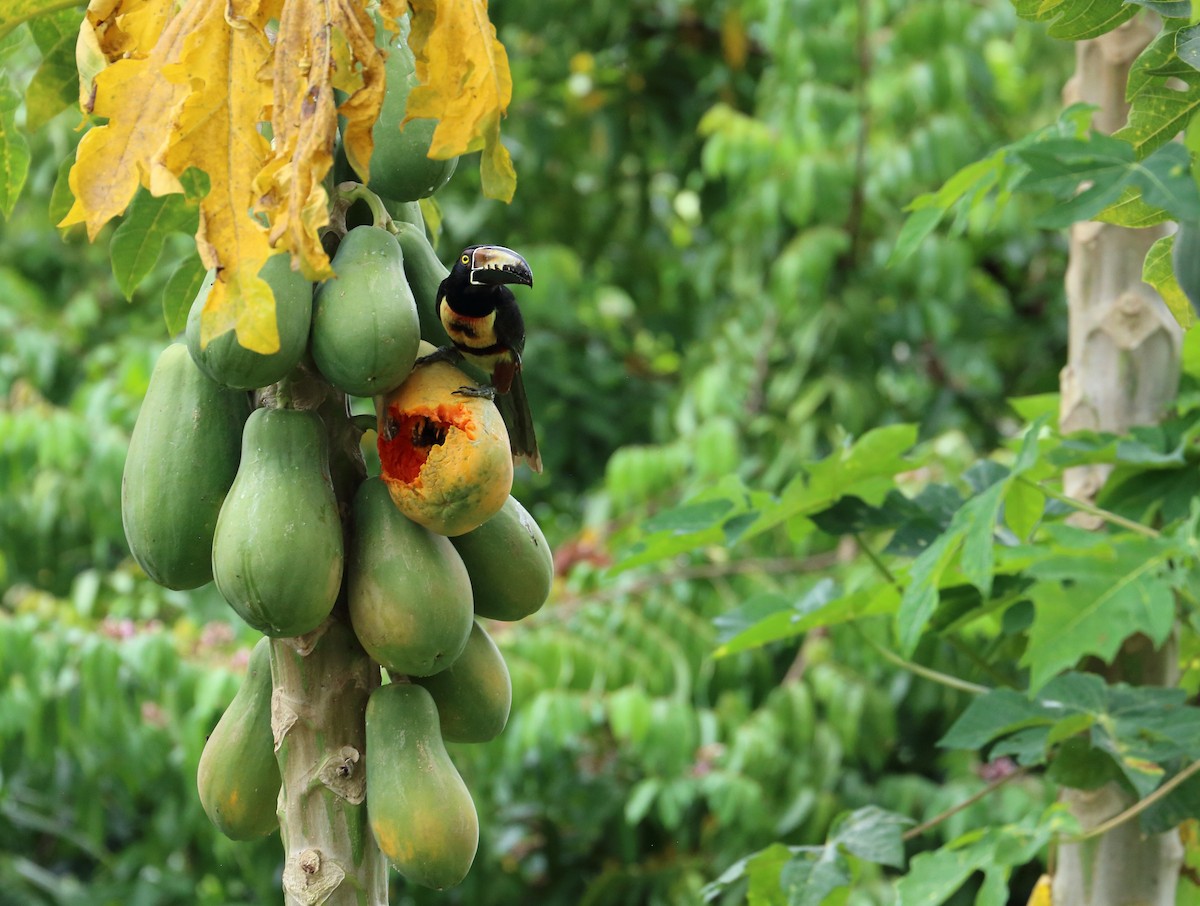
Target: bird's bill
{"type": "Point", "coordinates": [493, 264]}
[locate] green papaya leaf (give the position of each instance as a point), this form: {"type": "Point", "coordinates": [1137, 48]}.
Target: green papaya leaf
{"type": "Point", "coordinates": [1168, 9]}
{"type": "Point", "coordinates": [1109, 165]}
{"type": "Point", "coordinates": [873, 834]}
{"type": "Point", "coordinates": [55, 85]}
{"type": "Point", "coordinates": [181, 290]}
{"type": "Point", "coordinates": [1089, 602]}
{"type": "Point", "coordinates": [138, 241]}
{"type": "Point", "coordinates": [1076, 20]}
{"type": "Point", "coordinates": [14, 12]}
{"type": "Point", "coordinates": [14, 150]}
{"type": "Point", "coordinates": [1158, 271]}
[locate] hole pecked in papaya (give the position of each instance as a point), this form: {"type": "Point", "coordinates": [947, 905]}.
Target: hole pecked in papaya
{"type": "Point", "coordinates": [428, 433]}
{"type": "Point", "coordinates": [408, 438]}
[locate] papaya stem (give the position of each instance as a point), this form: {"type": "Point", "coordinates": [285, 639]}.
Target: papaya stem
{"type": "Point", "coordinates": [364, 422]}
{"type": "Point", "coordinates": [320, 685]}
{"type": "Point", "coordinates": [345, 195]}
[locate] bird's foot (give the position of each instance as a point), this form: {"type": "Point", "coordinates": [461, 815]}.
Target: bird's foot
{"type": "Point", "coordinates": [442, 354]}
{"type": "Point", "coordinates": [486, 393]}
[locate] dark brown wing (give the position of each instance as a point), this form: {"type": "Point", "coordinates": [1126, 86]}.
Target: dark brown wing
{"type": "Point", "coordinates": [509, 326]}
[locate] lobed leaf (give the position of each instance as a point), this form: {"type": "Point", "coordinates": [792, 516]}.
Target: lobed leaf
{"type": "Point", "coordinates": [1109, 166]}
{"type": "Point", "coordinates": [934, 877]}
{"type": "Point", "coordinates": [965, 190]}
{"type": "Point", "coordinates": [1159, 272]}
{"type": "Point", "coordinates": [1088, 603]}
{"type": "Point", "coordinates": [1023, 508]}
{"type": "Point", "coordinates": [180, 291]}
{"type": "Point", "coordinates": [55, 85]}
{"type": "Point", "coordinates": [215, 129]}
{"type": "Point", "coordinates": [1076, 20]}
{"type": "Point", "coordinates": [1131, 210]}
{"type": "Point", "coordinates": [864, 469]}
{"type": "Point", "coordinates": [14, 12]}
{"type": "Point", "coordinates": [1159, 113]}
{"type": "Point", "coordinates": [14, 150]}
{"type": "Point", "coordinates": [139, 102]}
{"type": "Point", "coordinates": [137, 243]}
{"type": "Point", "coordinates": [126, 28]}
{"type": "Point", "coordinates": [777, 619]}
{"type": "Point", "coordinates": [970, 531]}
{"type": "Point", "coordinates": [1159, 60]}
{"type": "Point", "coordinates": [465, 85]}
{"type": "Point", "coordinates": [873, 834]}
{"type": "Point", "coordinates": [1168, 9]}
{"type": "Point", "coordinates": [304, 120]}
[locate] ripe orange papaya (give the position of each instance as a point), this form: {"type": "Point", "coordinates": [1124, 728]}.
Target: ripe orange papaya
{"type": "Point", "coordinates": [474, 694]}
{"type": "Point", "coordinates": [408, 592]}
{"type": "Point", "coordinates": [228, 362]}
{"type": "Point", "coordinates": [509, 562]}
{"type": "Point", "coordinates": [445, 457]}
{"type": "Point", "coordinates": [421, 813]}
{"type": "Point", "coordinates": [365, 329]}
{"type": "Point", "coordinates": [182, 459]}
{"type": "Point", "coordinates": [238, 778]}
{"type": "Point", "coordinates": [277, 553]}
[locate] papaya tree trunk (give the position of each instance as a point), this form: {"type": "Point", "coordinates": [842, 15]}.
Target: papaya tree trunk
{"type": "Point", "coordinates": [1122, 370]}
{"type": "Point", "coordinates": [321, 682]}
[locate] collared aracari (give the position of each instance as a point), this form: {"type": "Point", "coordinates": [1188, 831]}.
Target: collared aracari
{"type": "Point", "coordinates": [480, 314]}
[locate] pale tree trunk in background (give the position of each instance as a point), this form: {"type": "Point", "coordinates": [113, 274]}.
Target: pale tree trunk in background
{"type": "Point", "coordinates": [1122, 370]}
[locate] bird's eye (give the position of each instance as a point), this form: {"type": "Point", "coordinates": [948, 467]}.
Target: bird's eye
{"type": "Point", "coordinates": [466, 259]}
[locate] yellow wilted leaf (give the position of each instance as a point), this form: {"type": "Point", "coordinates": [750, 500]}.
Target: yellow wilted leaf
{"type": "Point", "coordinates": [139, 102]}
{"type": "Point", "coordinates": [125, 28]}
{"type": "Point", "coordinates": [366, 91]}
{"type": "Point", "coordinates": [391, 11]}
{"type": "Point", "coordinates": [216, 130]}
{"type": "Point", "coordinates": [143, 22]}
{"type": "Point", "coordinates": [465, 85]}
{"type": "Point", "coordinates": [89, 61]}
{"type": "Point", "coordinates": [241, 300]}
{"type": "Point", "coordinates": [304, 120]}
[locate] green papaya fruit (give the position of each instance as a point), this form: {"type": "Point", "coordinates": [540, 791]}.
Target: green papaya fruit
{"type": "Point", "coordinates": [408, 592]}
{"type": "Point", "coordinates": [183, 455]}
{"type": "Point", "coordinates": [238, 777]}
{"type": "Point", "coordinates": [401, 168]}
{"type": "Point", "coordinates": [474, 694]}
{"type": "Point", "coordinates": [277, 554]}
{"type": "Point", "coordinates": [421, 813]}
{"type": "Point", "coordinates": [1185, 261]}
{"type": "Point", "coordinates": [425, 273]}
{"type": "Point", "coordinates": [365, 329]}
{"type": "Point", "coordinates": [509, 562]}
{"type": "Point", "coordinates": [228, 362]}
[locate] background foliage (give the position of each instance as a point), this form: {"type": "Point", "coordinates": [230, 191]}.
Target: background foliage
{"type": "Point", "coordinates": [710, 194]}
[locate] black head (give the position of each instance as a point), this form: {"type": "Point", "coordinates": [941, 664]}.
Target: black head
{"type": "Point", "coordinates": [491, 265]}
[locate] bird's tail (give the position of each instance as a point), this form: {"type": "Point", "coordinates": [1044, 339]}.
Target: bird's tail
{"type": "Point", "coordinates": [514, 409]}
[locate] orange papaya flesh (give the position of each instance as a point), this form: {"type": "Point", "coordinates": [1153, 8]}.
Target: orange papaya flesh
{"type": "Point", "coordinates": [419, 431]}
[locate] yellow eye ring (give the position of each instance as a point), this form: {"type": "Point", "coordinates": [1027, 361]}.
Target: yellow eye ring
{"type": "Point", "coordinates": [466, 259]}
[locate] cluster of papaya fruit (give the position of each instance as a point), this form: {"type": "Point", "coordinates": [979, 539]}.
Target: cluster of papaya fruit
{"type": "Point", "coordinates": [229, 480]}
